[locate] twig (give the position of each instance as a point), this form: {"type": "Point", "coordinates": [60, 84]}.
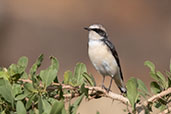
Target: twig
{"type": "Point", "coordinates": [167, 111]}
{"type": "Point", "coordinates": [158, 96]}
{"type": "Point", "coordinates": [92, 92]}
{"type": "Point", "coordinates": [140, 107]}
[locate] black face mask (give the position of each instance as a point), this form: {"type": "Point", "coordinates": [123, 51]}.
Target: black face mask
{"type": "Point", "coordinates": [100, 32]}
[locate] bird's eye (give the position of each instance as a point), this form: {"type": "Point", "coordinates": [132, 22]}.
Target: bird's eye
{"type": "Point", "coordinates": [100, 32]}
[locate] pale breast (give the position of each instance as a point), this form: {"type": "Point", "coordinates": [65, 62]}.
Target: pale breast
{"type": "Point", "coordinates": [102, 58]}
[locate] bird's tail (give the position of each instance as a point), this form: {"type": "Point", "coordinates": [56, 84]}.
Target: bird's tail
{"type": "Point", "coordinates": [120, 83]}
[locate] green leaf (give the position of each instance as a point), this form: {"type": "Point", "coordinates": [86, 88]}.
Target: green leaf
{"type": "Point", "coordinates": [48, 76]}
{"type": "Point", "coordinates": [155, 88]}
{"type": "Point", "coordinates": [64, 111]}
{"type": "Point", "coordinates": [170, 64]}
{"type": "Point", "coordinates": [6, 91]}
{"type": "Point", "coordinates": [46, 106]}
{"type": "Point", "coordinates": [57, 107]}
{"type": "Point", "coordinates": [78, 72]}
{"type": "Point", "coordinates": [150, 65]}
{"type": "Point", "coordinates": [73, 108]}
{"type": "Point", "coordinates": [23, 62]}
{"type": "Point", "coordinates": [89, 79]}
{"type": "Point", "coordinates": [169, 82]}
{"type": "Point", "coordinates": [84, 90]}
{"type": "Point", "coordinates": [16, 89]}
{"type": "Point", "coordinates": [22, 96]}
{"type": "Point", "coordinates": [36, 111]}
{"type": "Point", "coordinates": [154, 76]}
{"type": "Point", "coordinates": [3, 112]}
{"type": "Point", "coordinates": [78, 78]}
{"type": "Point", "coordinates": [12, 70]}
{"type": "Point", "coordinates": [33, 71]}
{"type": "Point", "coordinates": [40, 105]}
{"type": "Point", "coordinates": [142, 86]}
{"type": "Point", "coordinates": [79, 69]}
{"type": "Point", "coordinates": [15, 71]}
{"type": "Point", "coordinates": [24, 76]}
{"type": "Point", "coordinates": [4, 75]}
{"type": "Point", "coordinates": [68, 77]}
{"type": "Point", "coordinates": [43, 106]}
{"type": "Point", "coordinates": [51, 100]}
{"type": "Point", "coordinates": [97, 112]}
{"type": "Point", "coordinates": [54, 63]}
{"type": "Point", "coordinates": [163, 107]}
{"type": "Point", "coordinates": [168, 74]}
{"type": "Point", "coordinates": [161, 78]}
{"type": "Point", "coordinates": [20, 108]}
{"type": "Point", "coordinates": [31, 111]}
{"type": "Point", "coordinates": [30, 88]}
{"type": "Point", "coordinates": [132, 92]}
{"type": "Point", "coordinates": [160, 106]}
{"type": "Point", "coordinates": [36, 65]}
{"type": "Point", "coordinates": [29, 102]}
{"type": "Point", "coordinates": [142, 94]}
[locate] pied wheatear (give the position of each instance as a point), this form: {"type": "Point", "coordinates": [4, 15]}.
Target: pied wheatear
{"type": "Point", "coordinates": [104, 57]}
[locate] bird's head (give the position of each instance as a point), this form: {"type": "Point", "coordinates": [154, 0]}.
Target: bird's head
{"type": "Point", "coordinates": [96, 32]}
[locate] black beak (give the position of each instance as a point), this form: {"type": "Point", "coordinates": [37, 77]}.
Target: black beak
{"type": "Point", "coordinates": [86, 28]}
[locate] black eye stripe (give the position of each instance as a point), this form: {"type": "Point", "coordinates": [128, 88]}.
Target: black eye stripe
{"type": "Point", "coordinates": [100, 32]}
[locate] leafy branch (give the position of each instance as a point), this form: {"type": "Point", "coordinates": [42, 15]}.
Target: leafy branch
{"type": "Point", "coordinates": [42, 93]}
{"type": "Point", "coordinates": [98, 92]}
{"type": "Point", "coordinates": [93, 92]}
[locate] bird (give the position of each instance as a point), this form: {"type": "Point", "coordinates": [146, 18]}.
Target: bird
{"type": "Point", "coordinates": [104, 57]}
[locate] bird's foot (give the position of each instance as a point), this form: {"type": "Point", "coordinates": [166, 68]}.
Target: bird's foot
{"type": "Point", "coordinates": [107, 89]}
{"type": "Point", "coordinates": [103, 87]}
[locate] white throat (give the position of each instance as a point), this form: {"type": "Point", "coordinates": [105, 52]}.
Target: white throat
{"type": "Point", "coordinates": [92, 43]}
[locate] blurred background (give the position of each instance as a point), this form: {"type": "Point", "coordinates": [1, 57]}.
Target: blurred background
{"type": "Point", "coordinates": [140, 30]}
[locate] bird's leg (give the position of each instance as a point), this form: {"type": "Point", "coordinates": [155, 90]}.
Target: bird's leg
{"type": "Point", "coordinates": [110, 85]}
{"type": "Point", "coordinates": [103, 87]}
